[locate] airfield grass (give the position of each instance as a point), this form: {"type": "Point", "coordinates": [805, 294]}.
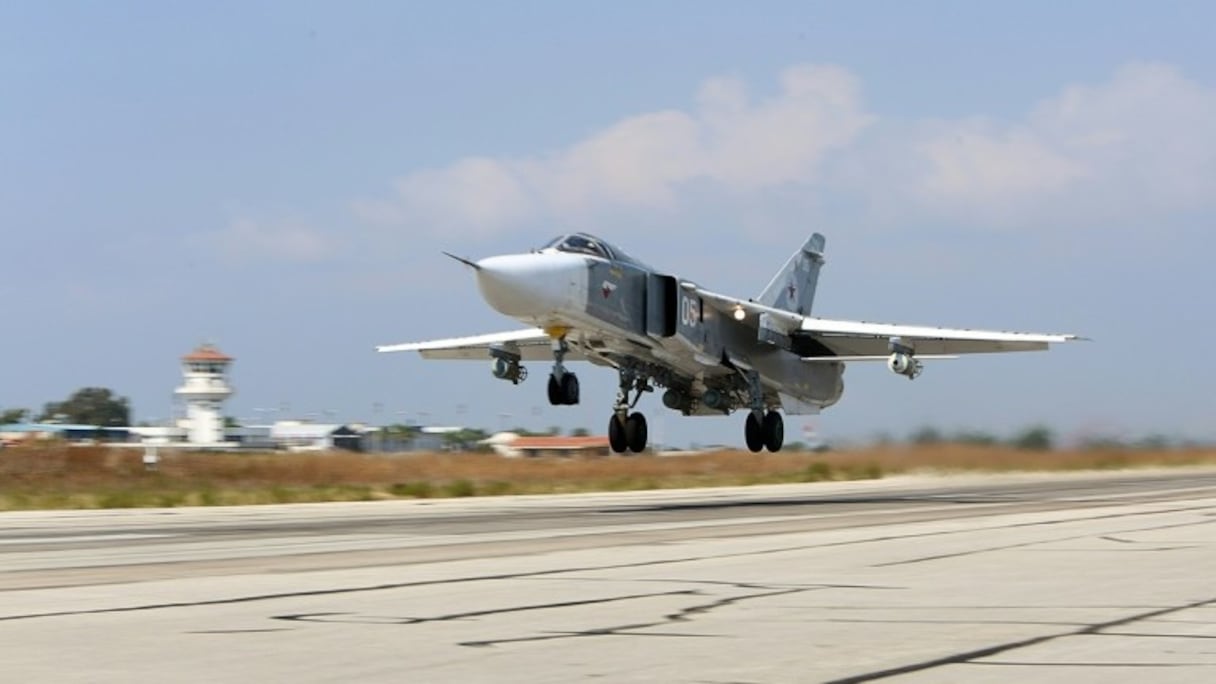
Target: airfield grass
{"type": "Point", "coordinates": [60, 476]}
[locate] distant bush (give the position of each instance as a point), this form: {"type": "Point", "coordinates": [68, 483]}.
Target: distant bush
{"type": "Point", "coordinates": [976, 438]}
{"type": "Point", "coordinates": [1037, 438]}
{"type": "Point", "coordinates": [927, 435]}
{"type": "Point", "coordinates": [1154, 442]}
{"type": "Point", "coordinates": [1101, 443]}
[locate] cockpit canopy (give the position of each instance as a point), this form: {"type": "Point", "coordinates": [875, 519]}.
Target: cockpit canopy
{"type": "Point", "coordinates": [583, 243]}
{"type": "Point", "coordinates": [580, 243]}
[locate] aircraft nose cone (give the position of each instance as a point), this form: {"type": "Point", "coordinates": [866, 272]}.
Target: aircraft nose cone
{"type": "Point", "coordinates": [532, 286]}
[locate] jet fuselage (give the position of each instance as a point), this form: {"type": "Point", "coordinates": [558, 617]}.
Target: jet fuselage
{"type": "Point", "coordinates": [616, 308]}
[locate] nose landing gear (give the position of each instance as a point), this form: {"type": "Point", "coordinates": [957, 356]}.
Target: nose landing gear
{"type": "Point", "coordinates": [564, 391]}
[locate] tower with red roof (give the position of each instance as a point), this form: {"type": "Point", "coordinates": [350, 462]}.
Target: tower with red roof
{"type": "Point", "coordinates": [204, 391]}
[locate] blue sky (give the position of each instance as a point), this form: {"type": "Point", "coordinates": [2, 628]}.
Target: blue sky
{"type": "Point", "coordinates": [280, 177]}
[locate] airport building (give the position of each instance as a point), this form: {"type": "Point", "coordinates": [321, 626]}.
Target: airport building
{"type": "Point", "coordinates": [204, 389]}
{"type": "Point", "coordinates": [200, 425]}
{"type": "Point", "coordinates": [513, 445]}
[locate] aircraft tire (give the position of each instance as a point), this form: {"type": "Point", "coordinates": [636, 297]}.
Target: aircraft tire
{"type": "Point", "coordinates": [616, 435]}
{"type": "Point", "coordinates": [636, 433]}
{"type": "Point", "coordinates": [555, 391]}
{"type": "Point", "coordinates": [570, 390]}
{"type": "Point", "coordinates": [774, 431]}
{"type": "Point", "coordinates": [753, 433]}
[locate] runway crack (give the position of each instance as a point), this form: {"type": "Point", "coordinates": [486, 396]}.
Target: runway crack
{"type": "Point", "coordinates": [1011, 663]}
{"type": "Point", "coordinates": [1040, 542]}
{"type": "Point", "coordinates": [610, 566]}
{"type": "Point", "coordinates": [683, 615]}
{"type": "Point", "coordinates": [976, 654]}
{"type": "Point", "coordinates": [338, 617]}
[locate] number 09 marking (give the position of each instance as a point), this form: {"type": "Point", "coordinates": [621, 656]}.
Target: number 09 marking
{"type": "Point", "coordinates": [690, 312]}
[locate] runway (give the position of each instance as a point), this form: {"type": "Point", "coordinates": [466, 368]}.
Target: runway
{"type": "Point", "coordinates": [1049, 578]}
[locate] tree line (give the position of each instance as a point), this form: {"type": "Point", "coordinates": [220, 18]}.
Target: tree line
{"type": "Point", "coordinates": [86, 406]}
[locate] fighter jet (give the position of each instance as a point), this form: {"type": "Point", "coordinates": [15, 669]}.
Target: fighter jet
{"type": "Point", "coordinates": [587, 300]}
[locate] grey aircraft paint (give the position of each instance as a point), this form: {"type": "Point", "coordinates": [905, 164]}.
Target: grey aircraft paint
{"type": "Point", "coordinates": [711, 353]}
{"type": "Point", "coordinates": [631, 297]}
{"type": "Point", "coordinates": [793, 288]}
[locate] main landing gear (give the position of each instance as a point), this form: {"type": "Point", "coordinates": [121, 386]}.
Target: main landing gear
{"type": "Point", "coordinates": [762, 429]}
{"type": "Point", "coordinates": [563, 385]}
{"type": "Point", "coordinates": [628, 431]}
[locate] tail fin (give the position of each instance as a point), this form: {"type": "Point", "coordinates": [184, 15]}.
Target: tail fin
{"type": "Point", "coordinates": [793, 288]}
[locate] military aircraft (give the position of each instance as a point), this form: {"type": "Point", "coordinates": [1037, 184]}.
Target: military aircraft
{"type": "Point", "coordinates": [587, 300]}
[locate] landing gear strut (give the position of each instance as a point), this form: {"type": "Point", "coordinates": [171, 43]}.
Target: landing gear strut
{"type": "Point", "coordinates": [628, 431]}
{"type": "Point", "coordinates": [563, 385]}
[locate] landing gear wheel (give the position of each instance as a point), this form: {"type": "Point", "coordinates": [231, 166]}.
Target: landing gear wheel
{"type": "Point", "coordinates": [569, 385]}
{"type": "Point", "coordinates": [774, 431]}
{"type": "Point", "coordinates": [563, 392]}
{"type": "Point", "coordinates": [753, 433]}
{"type": "Point", "coordinates": [636, 433]}
{"type": "Point", "coordinates": [617, 438]}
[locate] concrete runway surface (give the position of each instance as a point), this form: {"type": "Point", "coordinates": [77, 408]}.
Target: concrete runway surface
{"type": "Point", "coordinates": [1046, 578]}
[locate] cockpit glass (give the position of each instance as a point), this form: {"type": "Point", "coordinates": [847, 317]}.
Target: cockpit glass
{"type": "Point", "coordinates": [579, 244]}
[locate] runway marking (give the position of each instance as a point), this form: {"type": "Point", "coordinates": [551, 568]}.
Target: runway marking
{"type": "Point", "coordinates": [77, 539]}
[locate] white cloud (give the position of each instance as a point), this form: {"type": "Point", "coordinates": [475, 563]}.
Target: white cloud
{"type": "Point", "coordinates": [1127, 150]}
{"type": "Point", "coordinates": [731, 141]}
{"type": "Point", "coordinates": [246, 239]}
{"type": "Point", "coordinates": [972, 164]}
{"type": "Point", "coordinates": [1141, 143]}
{"type": "Point", "coordinates": [1148, 130]}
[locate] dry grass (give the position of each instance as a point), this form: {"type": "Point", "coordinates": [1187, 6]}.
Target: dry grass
{"type": "Point", "coordinates": [57, 476]}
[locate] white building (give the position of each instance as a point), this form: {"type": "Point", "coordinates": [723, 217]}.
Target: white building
{"type": "Point", "coordinates": [294, 435]}
{"type": "Point", "coordinates": [204, 390]}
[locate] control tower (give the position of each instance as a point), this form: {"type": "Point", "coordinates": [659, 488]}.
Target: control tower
{"type": "Point", "coordinates": [204, 390]}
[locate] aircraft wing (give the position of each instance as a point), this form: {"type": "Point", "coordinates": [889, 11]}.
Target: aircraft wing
{"type": "Point", "coordinates": [861, 339]}
{"type": "Point", "coordinates": [531, 344]}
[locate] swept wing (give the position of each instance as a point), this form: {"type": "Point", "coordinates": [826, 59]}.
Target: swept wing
{"type": "Point", "coordinates": [532, 344]}
{"type": "Point", "coordinates": [864, 341]}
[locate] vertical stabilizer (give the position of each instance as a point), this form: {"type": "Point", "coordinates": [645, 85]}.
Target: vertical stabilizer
{"type": "Point", "coordinates": [793, 288]}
